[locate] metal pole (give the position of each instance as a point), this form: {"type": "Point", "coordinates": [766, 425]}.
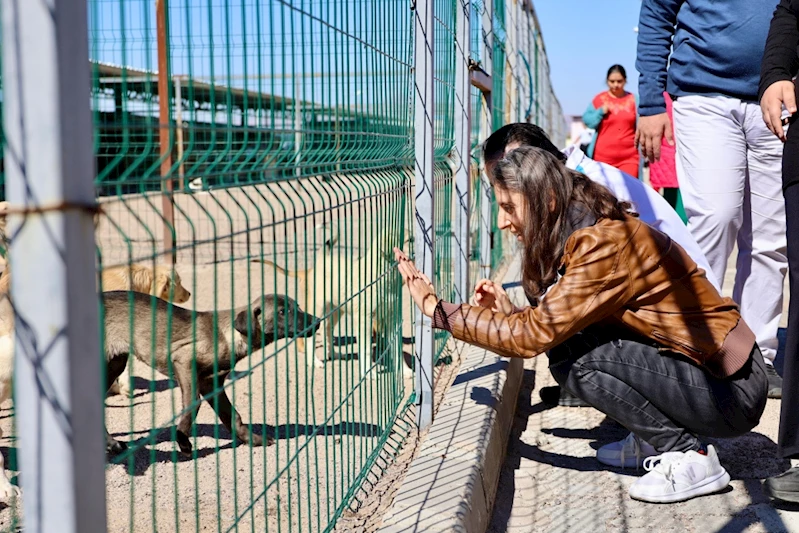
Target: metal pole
{"type": "Point", "coordinates": [485, 187]}
{"type": "Point", "coordinates": [49, 168]}
{"type": "Point", "coordinates": [424, 241]}
{"type": "Point", "coordinates": [164, 131]}
{"type": "Point", "coordinates": [462, 196]}
{"type": "Point", "coordinates": [179, 132]}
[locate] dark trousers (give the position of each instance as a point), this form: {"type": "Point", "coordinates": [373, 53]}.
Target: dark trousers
{"type": "Point", "coordinates": [662, 397]}
{"type": "Point", "coordinates": [789, 414]}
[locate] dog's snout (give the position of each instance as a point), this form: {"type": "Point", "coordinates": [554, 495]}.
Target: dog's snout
{"type": "Point", "coordinates": [312, 323]}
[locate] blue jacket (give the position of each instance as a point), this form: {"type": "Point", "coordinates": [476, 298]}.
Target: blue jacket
{"type": "Point", "coordinates": [717, 49]}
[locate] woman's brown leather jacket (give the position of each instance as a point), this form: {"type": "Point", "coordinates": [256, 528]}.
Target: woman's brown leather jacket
{"type": "Point", "coordinates": [619, 272]}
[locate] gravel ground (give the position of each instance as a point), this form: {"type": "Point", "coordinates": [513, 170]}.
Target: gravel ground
{"type": "Point", "coordinates": [296, 484]}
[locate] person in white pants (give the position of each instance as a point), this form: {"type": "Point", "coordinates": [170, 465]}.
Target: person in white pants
{"type": "Point", "coordinates": [730, 174]}
{"type": "Point", "coordinates": [728, 163]}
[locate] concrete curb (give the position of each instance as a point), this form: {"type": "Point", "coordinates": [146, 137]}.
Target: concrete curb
{"type": "Point", "coordinates": [451, 483]}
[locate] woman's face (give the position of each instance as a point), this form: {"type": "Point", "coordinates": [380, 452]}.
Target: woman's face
{"type": "Point", "coordinates": [616, 83]}
{"type": "Point", "coordinates": [511, 211]}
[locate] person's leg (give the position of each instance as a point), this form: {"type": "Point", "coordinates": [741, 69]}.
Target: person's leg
{"type": "Point", "coordinates": [680, 208]}
{"type": "Point", "coordinates": [762, 256]}
{"type": "Point", "coordinates": [711, 169]}
{"type": "Point", "coordinates": [662, 397]}
{"type": "Point", "coordinates": [786, 485]}
{"type": "Point", "coordinates": [667, 401]}
{"type": "Point", "coordinates": [674, 198]}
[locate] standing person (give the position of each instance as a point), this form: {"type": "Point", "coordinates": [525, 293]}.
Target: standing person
{"type": "Point", "coordinates": [729, 161]}
{"type": "Point", "coordinates": [663, 173]}
{"type": "Point", "coordinates": [780, 66]}
{"type": "Point", "coordinates": [632, 326]}
{"type": "Point", "coordinates": [651, 207]}
{"type": "Point", "coordinates": [612, 114]}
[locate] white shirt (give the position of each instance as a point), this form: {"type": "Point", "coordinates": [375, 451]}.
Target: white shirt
{"type": "Point", "coordinates": [651, 207]}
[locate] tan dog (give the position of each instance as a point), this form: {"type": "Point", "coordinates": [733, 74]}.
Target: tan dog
{"type": "Point", "coordinates": [159, 281]}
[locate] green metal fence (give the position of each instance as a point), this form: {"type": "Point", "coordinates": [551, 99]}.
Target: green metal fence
{"type": "Point", "coordinates": [252, 148]}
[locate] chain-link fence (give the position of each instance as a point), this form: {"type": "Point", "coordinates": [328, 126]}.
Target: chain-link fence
{"type": "Point", "coordinates": [255, 162]}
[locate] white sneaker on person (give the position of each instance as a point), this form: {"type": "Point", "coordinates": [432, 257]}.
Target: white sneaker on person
{"type": "Point", "coordinates": [680, 476]}
{"type": "Point", "coordinates": [627, 453]}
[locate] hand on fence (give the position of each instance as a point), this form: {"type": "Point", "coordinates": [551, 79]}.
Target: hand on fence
{"type": "Point", "coordinates": [649, 135]}
{"type": "Point", "coordinates": [490, 295]}
{"type": "Point", "coordinates": [419, 285]}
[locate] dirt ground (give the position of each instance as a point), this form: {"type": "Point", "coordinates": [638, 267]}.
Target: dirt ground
{"type": "Point", "coordinates": [328, 423]}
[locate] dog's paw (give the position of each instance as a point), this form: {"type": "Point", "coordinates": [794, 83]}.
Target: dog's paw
{"type": "Point", "coordinates": [114, 447]}
{"type": "Point", "coordinates": [313, 362]}
{"type": "Point", "coordinates": [184, 443]}
{"type": "Point", "coordinates": [7, 490]}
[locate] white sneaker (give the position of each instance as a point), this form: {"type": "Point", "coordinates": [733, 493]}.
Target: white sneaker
{"type": "Point", "coordinates": [680, 476]}
{"type": "Point", "coordinates": [626, 453]}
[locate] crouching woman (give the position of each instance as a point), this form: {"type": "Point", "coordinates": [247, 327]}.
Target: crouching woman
{"type": "Point", "coordinates": [632, 326]}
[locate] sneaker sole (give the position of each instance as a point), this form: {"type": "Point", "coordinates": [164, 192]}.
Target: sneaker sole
{"type": "Point", "coordinates": [715, 484]}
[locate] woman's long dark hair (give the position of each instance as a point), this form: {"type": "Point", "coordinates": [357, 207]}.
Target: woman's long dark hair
{"type": "Point", "coordinates": [542, 180]}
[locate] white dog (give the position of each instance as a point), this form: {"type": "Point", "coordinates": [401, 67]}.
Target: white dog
{"type": "Point", "coordinates": [338, 284]}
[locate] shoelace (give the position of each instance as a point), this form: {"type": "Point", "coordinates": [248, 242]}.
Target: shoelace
{"type": "Point", "coordinates": [636, 449]}
{"type": "Point", "coordinates": [664, 465]}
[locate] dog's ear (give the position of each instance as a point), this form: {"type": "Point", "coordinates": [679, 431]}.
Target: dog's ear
{"type": "Point", "coordinates": [240, 324]}
{"type": "Point", "coordinates": [163, 282]}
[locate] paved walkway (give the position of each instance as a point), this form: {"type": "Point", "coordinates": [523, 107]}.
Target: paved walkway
{"type": "Point", "coordinates": [551, 481]}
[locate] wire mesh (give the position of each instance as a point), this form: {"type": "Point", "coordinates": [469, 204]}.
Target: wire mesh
{"type": "Point", "coordinates": [252, 148]}
{"type": "Point", "coordinates": [288, 131]}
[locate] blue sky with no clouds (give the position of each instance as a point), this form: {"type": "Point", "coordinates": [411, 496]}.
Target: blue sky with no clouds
{"type": "Point", "coordinates": [583, 39]}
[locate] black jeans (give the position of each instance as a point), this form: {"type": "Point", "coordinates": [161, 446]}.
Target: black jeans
{"type": "Point", "coordinates": [662, 397]}
{"type": "Point", "coordinates": [789, 414]}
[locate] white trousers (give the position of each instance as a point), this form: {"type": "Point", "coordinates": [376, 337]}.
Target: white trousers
{"type": "Point", "coordinates": [729, 168]}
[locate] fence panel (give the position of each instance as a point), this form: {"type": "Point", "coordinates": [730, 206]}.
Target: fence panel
{"type": "Point", "coordinates": [253, 148]}
{"type": "Point", "coordinates": [288, 127]}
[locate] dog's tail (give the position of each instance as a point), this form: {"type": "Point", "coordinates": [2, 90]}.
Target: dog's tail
{"type": "Point", "coordinates": [300, 274]}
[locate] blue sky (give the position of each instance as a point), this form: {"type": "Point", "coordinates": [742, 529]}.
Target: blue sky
{"type": "Point", "coordinates": [583, 39]}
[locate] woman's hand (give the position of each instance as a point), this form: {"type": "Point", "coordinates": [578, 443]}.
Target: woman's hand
{"type": "Point", "coordinates": [492, 296]}
{"type": "Point", "coordinates": [419, 285]}
{"type": "Point", "coordinates": [777, 94]}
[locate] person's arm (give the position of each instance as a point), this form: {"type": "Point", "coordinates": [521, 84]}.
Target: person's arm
{"type": "Point", "coordinates": [596, 284]}
{"type": "Point", "coordinates": [780, 62]}
{"type": "Point", "coordinates": [593, 117]}
{"type": "Point", "coordinates": [656, 27]}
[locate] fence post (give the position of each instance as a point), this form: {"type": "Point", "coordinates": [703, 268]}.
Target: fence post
{"type": "Point", "coordinates": [424, 241]}
{"type": "Point", "coordinates": [49, 172]}
{"type": "Point", "coordinates": [165, 130]}
{"type": "Point", "coordinates": [462, 196]}
{"type": "Point", "coordinates": [485, 187]}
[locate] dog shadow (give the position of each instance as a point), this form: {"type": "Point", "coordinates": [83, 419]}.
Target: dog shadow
{"type": "Point", "coordinates": [141, 453]}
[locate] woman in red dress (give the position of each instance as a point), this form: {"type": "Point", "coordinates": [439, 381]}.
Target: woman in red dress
{"type": "Point", "coordinates": [612, 114]}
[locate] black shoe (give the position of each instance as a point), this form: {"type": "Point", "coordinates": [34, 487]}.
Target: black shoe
{"type": "Point", "coordinates": [559, 396]}
{"type": "Point", "coordinates": [774, 382]}
{"type": "Point", "coordinates": [784, 486]}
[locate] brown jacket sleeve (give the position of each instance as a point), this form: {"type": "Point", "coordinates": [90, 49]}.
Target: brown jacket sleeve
{"type": "Point", "coordinates": [595, 285]}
